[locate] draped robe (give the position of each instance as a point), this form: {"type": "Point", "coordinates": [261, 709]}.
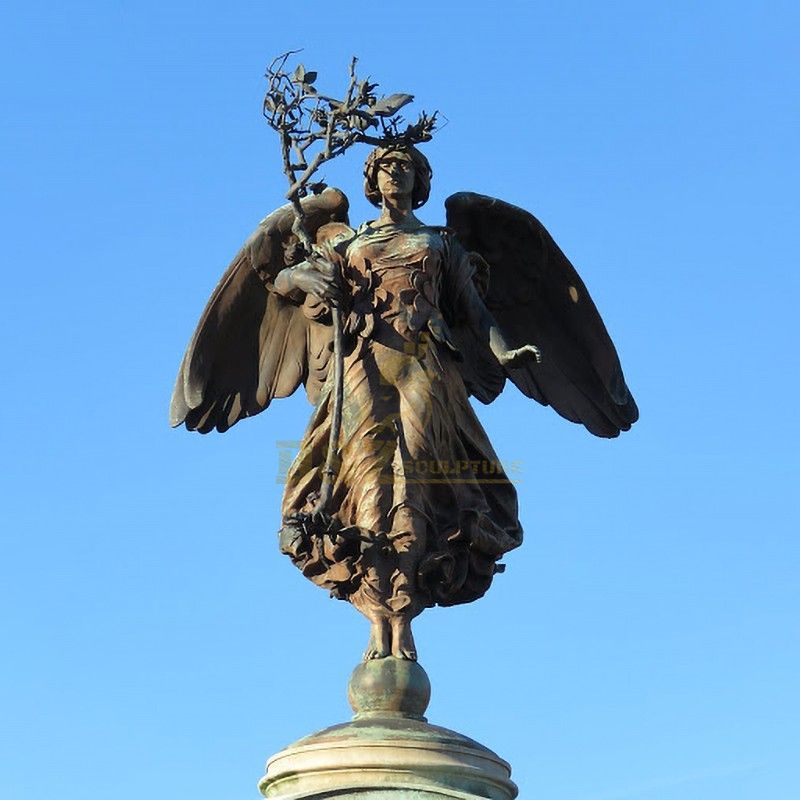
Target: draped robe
{"type": "Point", "coordinates": [422, 509]}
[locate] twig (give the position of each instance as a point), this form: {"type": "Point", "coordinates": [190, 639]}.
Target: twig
{"type": "Point", "coordinates": [303, 117]}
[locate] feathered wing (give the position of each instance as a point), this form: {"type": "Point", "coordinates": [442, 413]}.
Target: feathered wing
{"type": "Point", "coordinates": [251, 344]}
{"type": "Point", "coordinates": [537, 297]}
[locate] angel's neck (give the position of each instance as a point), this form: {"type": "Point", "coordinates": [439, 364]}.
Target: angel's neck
{"type": "Point", "coordinates": [397, 211]}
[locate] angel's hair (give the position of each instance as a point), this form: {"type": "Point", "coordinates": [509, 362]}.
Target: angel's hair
{"type": "Point", "coordinates": [422, 173]}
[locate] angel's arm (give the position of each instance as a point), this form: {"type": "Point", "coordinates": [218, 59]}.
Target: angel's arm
{"type": "Point", "coordinates": [318, 278]}
{"type": "Point", "coordinates": [320, 273]}
{"type": "Point", "coordinates": [482, 320]}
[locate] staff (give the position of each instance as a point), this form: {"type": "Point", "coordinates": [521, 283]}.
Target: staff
{"type": "Point", "coordinates": [303, 117]}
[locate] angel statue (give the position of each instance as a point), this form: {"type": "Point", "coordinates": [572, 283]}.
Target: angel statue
{"type": "Point", "coordinates": [420, 509]}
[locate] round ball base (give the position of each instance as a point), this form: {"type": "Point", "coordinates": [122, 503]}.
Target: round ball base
{"type": "Point", "coordinates": [388, 750]}
{"type": "Point", "coordinates": [389, 687]}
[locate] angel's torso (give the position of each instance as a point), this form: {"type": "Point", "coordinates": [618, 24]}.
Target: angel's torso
{"type": "Point", "coordinates": [396, 276]}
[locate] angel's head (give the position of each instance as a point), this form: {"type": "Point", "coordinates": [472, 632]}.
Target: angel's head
{"type": "Point", "coordinates": [401, 165]}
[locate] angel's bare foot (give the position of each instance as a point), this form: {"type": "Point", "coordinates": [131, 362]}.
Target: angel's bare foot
{"type": "Point", "coordinates": [379, 638]}
{"type": "Point", "coordinates": [402, 639]}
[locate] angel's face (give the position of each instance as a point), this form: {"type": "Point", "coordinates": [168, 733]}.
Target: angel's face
{"type": "Point", "coordinates": [395, 176]}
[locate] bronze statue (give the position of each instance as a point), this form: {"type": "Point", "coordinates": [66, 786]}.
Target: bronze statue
{"type": "Point", "coordinates": [396, 500]}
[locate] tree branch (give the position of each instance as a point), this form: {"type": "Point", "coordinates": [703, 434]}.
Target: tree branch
{"type": "Point", "coordinates": [303, 118]}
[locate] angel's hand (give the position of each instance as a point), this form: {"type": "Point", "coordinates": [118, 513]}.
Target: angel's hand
{"type": "Point", "coordinates": [522, 355]}
{"type": "Point", "coordinates": [318, 279]}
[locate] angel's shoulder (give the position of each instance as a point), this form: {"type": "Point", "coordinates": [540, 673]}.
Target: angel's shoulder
{"type": "Point", "coordinates": [446, 234]}
{"type": "Point", "coordinates": [441, 230]}
{"type": "Point", "coordinates": [335, 238]}
{"type": "Point", "coordinates": [451, 241]}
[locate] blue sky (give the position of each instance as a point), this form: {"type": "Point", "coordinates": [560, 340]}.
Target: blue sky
{"type": "Point", "coordinates": [643, 642]}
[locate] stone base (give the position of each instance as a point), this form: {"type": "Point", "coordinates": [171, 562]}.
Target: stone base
{"type": "Point", "coordinates": [388, 750]}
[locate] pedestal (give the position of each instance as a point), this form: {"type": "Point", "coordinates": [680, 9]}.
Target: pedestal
{"type": "Point", "coordinates": [388, 750]}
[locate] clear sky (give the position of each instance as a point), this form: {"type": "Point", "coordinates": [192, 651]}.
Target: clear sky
{"type": "Point", "coordinates": [643, 642]}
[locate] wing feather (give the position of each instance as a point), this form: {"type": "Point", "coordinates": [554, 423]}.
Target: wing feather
{"type": "Point", "coordinates": [537, 297]}
{"type": "Point", "coordinates": [251, 344]}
